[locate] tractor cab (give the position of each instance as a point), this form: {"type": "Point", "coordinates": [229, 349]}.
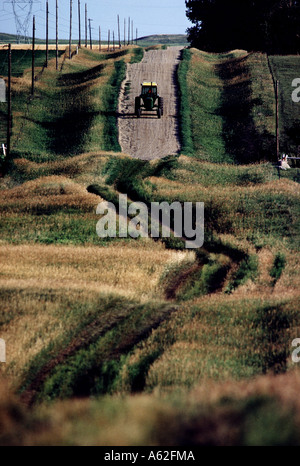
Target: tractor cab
{"type": "Point", "coordinates": [149, 89]}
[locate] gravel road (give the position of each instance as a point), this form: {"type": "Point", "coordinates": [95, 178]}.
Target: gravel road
{"type": "Point", "coordinates": [148, 137]}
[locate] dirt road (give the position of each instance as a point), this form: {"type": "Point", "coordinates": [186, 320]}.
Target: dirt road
{"type": "Point", "coordinates": [149, 137]}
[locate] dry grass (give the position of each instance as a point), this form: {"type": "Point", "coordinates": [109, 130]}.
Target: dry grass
{"type": "Point", "coordinates": [285, 387]}
{"type": "Point", "coordinates": [170, 188]}
{"type": "Point", "coordinates": [50, 191]}
{"type": "Point", "coordinates": [38, 46]}
{"type": "Point", "coordinates": [205, 416]}
{"type": "Point", "coordinates": [202, 347]}
{"type": "Point", "coordinates": [288, 284]}
{"type": "Point", "coordinates": [35, 281]}
{"type": "Point", "coordinates": [128, 269]}
{"type": "Point", "coordinates": [83, 167]}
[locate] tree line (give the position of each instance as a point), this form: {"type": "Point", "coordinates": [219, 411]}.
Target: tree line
{"type": "Point", "coordinates": [271, 26]}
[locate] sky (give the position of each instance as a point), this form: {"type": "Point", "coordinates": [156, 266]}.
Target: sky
{"type": "Point", "coordinates": [148, 16]}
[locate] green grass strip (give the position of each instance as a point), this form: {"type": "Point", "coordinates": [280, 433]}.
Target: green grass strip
{"type": "Point", "coordinates": [111, 142]}
{"type": "Point", "coordinates": [185, 130]}
{"type": "Point", "coordinates": [138, 55]}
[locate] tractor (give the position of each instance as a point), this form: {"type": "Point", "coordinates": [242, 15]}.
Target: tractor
{"type": "Point", "coordinates": [149, 100]}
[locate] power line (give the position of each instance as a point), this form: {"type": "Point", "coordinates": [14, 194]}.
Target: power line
{"type": "Point", "coordinates": [22, 10]}
{"type": "Point", "coordinates": [47, 21]}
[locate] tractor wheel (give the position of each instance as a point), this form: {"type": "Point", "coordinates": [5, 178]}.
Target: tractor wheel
{"type": "Point", "coordinates": [161, 105]}
{"type": "Point", "coordinates": [159, 113]}
{"type": "Point", "coordinates": [137, 107]}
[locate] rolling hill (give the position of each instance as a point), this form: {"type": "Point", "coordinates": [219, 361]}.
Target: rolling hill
{"type": "Point", "coordinates": [163, 39]}
{"type": "Point", "coordinates": [139, 341]}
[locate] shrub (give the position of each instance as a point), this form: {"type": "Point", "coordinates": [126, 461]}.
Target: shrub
{"type": "Point", "coordinates": [278, 267]}
{"type": "Point", "coordinates": [184, 108]}
{"type": "Point", "coordinates": [248, 269]}
{"type": "Point", "coordinates": [138, 55]}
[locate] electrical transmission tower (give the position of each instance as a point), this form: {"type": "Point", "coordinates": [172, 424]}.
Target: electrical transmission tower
{"type": "Point", "coordinates": [22, 10]}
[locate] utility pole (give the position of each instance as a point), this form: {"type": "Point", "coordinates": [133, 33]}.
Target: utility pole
{"type": "Point", "coordinates": [86, 25]}
{"type": "Point", "coordinates": [124, 32]}
{"type": "Point", "coordinates": [132, 32]}
{"type": "Point", "coordinates": [119, 32]}
{"type": "Point", "coordinates": [99, 38]}
{"type": "Point", "coordinates": [47, 29]}
{"type": "Point", "coordinates": [136, 36]}
{"type": "Point", "coordinates": [33, 56]}
{"type": "Point", "coordinates": [79, 27]}
{"type": "Point", "coordinates": [128, 30]}
{"type": "Point", "coordinates": [56, 34]}
{"type": "Point", "coordinates": [277, 120]}
{"type": "Point", "coordinates": [8, 103]}
{"type": "Point", "coordinates": [108, 40]}
{"type": "Point", "coordinates": [113, 40]}
{"type": "Point", "coordinates": [70, 39]}
{"type": "Point", "coordinates": [90, 29]}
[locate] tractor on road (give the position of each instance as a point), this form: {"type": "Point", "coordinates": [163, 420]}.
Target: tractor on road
{"type": "Point", "coordinates": [149, 100]}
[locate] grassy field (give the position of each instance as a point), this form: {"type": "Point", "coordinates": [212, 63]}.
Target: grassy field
{"type": "Point", "coordinates": [155, 39]}
{"type": "Point", "coordinates": [163, 39]}
{"type": "Point", "coordinates": [232, 98]}
{"type": "Point", "coordinates": [233, 102]}
{"type": "Point", "coordinates": [21, 60]}
{"type": "Point", "coordinates": [13, 39]}
{"type": "Point", "coordinates": [84, 120]}
{"type": "Point", "coordinates": [140, 341]}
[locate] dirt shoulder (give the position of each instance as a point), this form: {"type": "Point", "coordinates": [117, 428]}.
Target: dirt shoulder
{"type": "Point", "coordinates": [148, 137]}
